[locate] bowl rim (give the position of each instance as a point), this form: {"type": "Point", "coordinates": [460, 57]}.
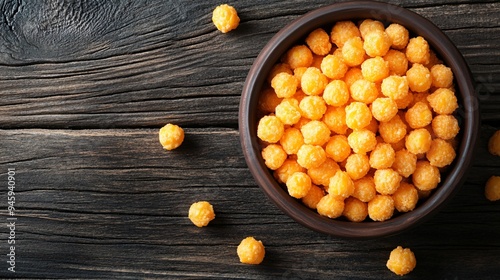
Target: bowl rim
{"type": "Point", "coordinates": [325, 16]}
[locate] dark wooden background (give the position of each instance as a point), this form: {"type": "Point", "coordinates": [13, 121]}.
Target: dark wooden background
{"type": "Point", "coordinates": [84, 88]}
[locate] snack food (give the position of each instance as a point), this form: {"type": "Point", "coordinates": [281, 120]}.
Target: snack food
{"type": "Point", "coordinates": [225, 18]}
{"type": "Point", "coordinates": [251, 251]}
{"type": "Point", "coordinates": [171, 136]}
{"type": "Point", "coordinates": [492, 188]}
{"type": "Point", "coordinates": [494, 144]}
{"type": "Point", "coordinates": [401, 261]}
{"type": "Point", "coordinates": [201, 213]}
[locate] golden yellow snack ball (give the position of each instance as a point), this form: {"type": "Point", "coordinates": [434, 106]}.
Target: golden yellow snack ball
{"type": "Point", "coordinates": [315, 133]}
{"type": "Point", "coordinates": [384, 109]}
{"type": "Point", "coordinates": [343, 31]}
{"type": "Point", "coordinates": [313, 82]}
{"type": "Point", "coordinates": [319, 42]}
{"type": "Point", "coordinates": [377, 43]}
{"type": "Point", "coordinates": [494, 144]}
{"type": "Point", "coordinates": [352, 75]}
{"type": "Point", "coordinates": [270, 129]}
{"type": "Point", "coordinates": [443, 101]}
{"type": "Point", "coordinates": [492, 188]}
{"type": "Point", "coordinates": [364, 91]}
{"type": "Point", "coordinates": [268, 100]}
{"type": "Point", "coordinates": [171, 136]}
{"type": "Point", "coordinates": [225, 18]}
{"type": "Point", "coordinates": [274, 156]}
{"type": "Point", "coordinates": [401, 261]}
{"type": "Point", "coordinates": [386, 180]}
{"type": "Point", "coordinates": [419, 78]}
{"type": "Point", "coordinates": [251, 251]}
{"type": "Point", "coordinates": [298, 56]}
{"type": "Point", "coordinates": [442, 76]}
{"type": "Point", "coordinates": [341, 185]}
{"type": "Point", "coordinates": [441, 153]}
{"type": "Point", "coordinates": [336, 93]}
{"type": "Point", "coordinates": [418, 116]}
{"type": "Point", "coordinates": [201, 213]}
{"type": "Point", "coordinates": [405, 163]}
{"type": "Point", "coordinates": [355, 210]}
{"type": "Point", "coordinates": [393, 130]}
{"type": "Point", "coordinates": [286, 170]}
{"type": "Point", "coordinates": [331, 206]}
{"type": "Point", "coordinates": [426, 177]}
{"type": "Point", "coordinates": [399, 35]}
{"type": "Point", "coordinates": [338, 148]}
{"type": "Point", "coordinates": [445, 126]}
{"type": "Point", "coordinates": [321, 175]}
{"type": "Point", "coordinates": [292, 140]}
{"type": "Point", "coordinates": [381, 208]}
{"type": "Point", "coordinates": [298, 184]}
{"type": "Point", "coordinates": [398, 64]}
{"type": "Point", "coordinates": [312, 107]}
{"type": "Point", "coordinates": [395, 87]}
{"type": "Point", "coordinates": [405, 198]}
{"type": "Point", "coordinates": [362, 141]}
{"type": "Point", "coordinates": [353, 53]}
{"type": "Point", "coordinates": [418, 141]}
{"type": "Point", "coordinates": [333, 67]}
{"type": "Point", "coordinates": [279, 68]}
{"type": "Point", "coordinates": [313, 197]}
{"type": "Point", "coordinates": [288, 111]}
{"type": "Point", "coordinates": [375, 69]}
{"type": "Point", "coordinates": [334, 118]}
{"type": "Point", "coordinates": [311, 156]}
{"type": "Point", "coordinates": [418, 50]}
{"type": "Point", "coordinates": [364, 189]}
{"type": "Point", "coordinates": [357, 115]}
{"type": "Point", "coordinates": [357, 166]}
{"type": "Point", "coordinates": [284, 84]}
{"type": "Point", "coordinates": [369, 25]}
{"type": "Point", "coordinates": [382, 156]}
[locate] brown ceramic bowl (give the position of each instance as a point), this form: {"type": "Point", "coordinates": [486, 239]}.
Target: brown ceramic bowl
{"type": "Point", "coordinates": [468, 115]}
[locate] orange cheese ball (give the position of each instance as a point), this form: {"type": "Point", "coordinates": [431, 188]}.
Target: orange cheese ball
{"type": "Point", "coordinates": [342, 31]}
{"type": "Point", "coordinates": [398, 64]}
{"type": "Point", "coordinates": [319, 42]}
{"type": "Point", "coordinates": [395, 87]}
{"type": "Point", "coordinates": [364, 91]}
{"type": "Point", "coordinates": [251, 251]}
{"type": "Point", "coordinates": [201, 213]}
{"type": "Point", "coordinates": [399, 35]}
{"type": "Point", "coordinates": [369, 25]}
{"type": "Point", "coordinates": [333, 67]}
{"type": "Point", "coordinates": [313, 107]}
{"type": "Point", "coordinates": [418, 141]}
{"type": "Point", "coordinates": [313, 81]}
{"type": "Point", "coordinates": [341, 185]}
{"type": "Point", "coordinates": [393, 130]}
{"type": "Point", "coordinates": [315, 133]}
{"type": "Point", "coordinates": [298, 56]}
{"type": "Point", "coordinates": [494, 144]}
{"type": "Point", "coordinates": [310, 156]}
{"type": "Point", "coordinates": [288, 111]}
{"type": "Point", "coordinates": [334, 118]}
{"type": "Point", "coordinates": [292, 140]}
{"type": "Point", "coordinates": [357, 166]}
{"type": "Point", "coordinates": [405, 197]}
{"type": "Point", "coordinates": [442, 76]}
{"type": "Point", "coordinates": [382, 156]}
{"type": "Point", "coordinates": [357, 115]}
{"type": "Point", "coordinates": [362, 141]}
{"type": "Point", "coordinates": [331, 206]}
{"type": "Point", "coordinates": [401, 261]}
{"type": "Point", "coordinates": [274, 156]}
{"type": "Point", "coordinates": [377, 43]}
{"type": "Point", "coordinates": [270, 129]}
{"type": "Point", "coordinates": [353, 52]}
{"type": "Point", "coordinates": [336, 93]}
{"type": "Point", "coordinates": [268, 101]}
{"type": "Point", "coordinates": [225, 18]}
{"type": "Point", "coordinates": [298, 184]}
{"type": "Point", "coordinates": [321, 175]}
{"type": "Point", "coordinates": [171, 136]}
{"type": "Point", "coordinates": [386, 181]}
{"type": "Point", "coordinates": [355, 210]}
{"type": "Point", "coordinates": [405, 163]}
{"type": "Point", "coordinates": [384, 109]}
{"type": "Point", "coordinates": [426, 176]}
{"type": "Point", "coordinates": [418, 116]}
{"type": "Point", "coordinates": [375, 69]}
{"type": "Point", "coordinates": [381, 208]}
{"type": "Point", "coordinates": [286, 170]}
{"type": "Point", "coordinates": [418, 50]}
{"type": "Point", "coordinates": [419, 78]}
{"type": "Point", "coordinates": [445, 126]}
{"type": "Point", "coordinates": [441, 153]}
{"type": "Point", "coordinates": [338, 148]}
{"type": "Point", "coordinates": [279, 68]}
{"type": "Point", "coordinates": [352, 75]}
{"type": "Point", "coordinates": [364, 189]}
{"type": "Point", "coordinates": [313, 197]}
{"type": "Point", "coordinates": [492, 188]}
{"type": "Point", "coordinates": [443, 101]}
{"type": "Point", "coordinates": [284, 84]}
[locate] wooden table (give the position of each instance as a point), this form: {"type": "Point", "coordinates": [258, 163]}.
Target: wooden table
{"type": "Point", "coordinates": [84, 88]}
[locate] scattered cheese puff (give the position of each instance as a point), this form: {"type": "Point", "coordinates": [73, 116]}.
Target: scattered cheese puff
{"type": "Point", "coordinates": [401, 261]}
{"type": "Point", "coordinates": [251, 251]}
{"type": "Point", "coordinates": [492, 189]}
{"type": "Point", "coordinates": [225, 18]}
{"type": "Point", "coordinates": [201, 213]}
{"type": "Point", "coordinates": [171, 136]}
{"type": "Point", "coordinates": [494, 144]}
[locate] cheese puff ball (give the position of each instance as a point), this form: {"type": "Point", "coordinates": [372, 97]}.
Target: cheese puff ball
{"type": "Point", "coordinates": [377, 43]}
{"type": "Point", "coordinates": [319, 42]}
{"type": "Point", "coordinates": [384, 109]}
{"type": "Point", "coordinates": [398, 64]}
{"type": "Point", "coordinates": [284, 84]}
{"type": "Point", "coordinates": [343, 31]}
{"type": "Point", "coordinates": [375, 69]}
{"type": "Point", "coordinates": [426, 177]}
{"type": "Point", "coordinates": [225, 18]}
{"type": "Point", "coordinates": [298, 56]}
{"type": "Point", "coordinates": [404, 163]}
{"type": "Point", "coordinates": [369, 25]}
{"type": "Point", "coordinates": [331, 206]}
{"type": "Point", "coordinates": [393, 130]}
{"type": "Point", "coordinates": [382, 156]}
{"type": "Point", "coordinates": [333, 67]}
{"type": "Point", "coordinates": [419, 78]}
{"type": "Point", "coordinates": [298, 184]}
{"type": "Point", "coordinates": [405, 197]}
{"type": "Point", "coordinates": [362, 141]}
{"type": "Point", "coordinates": [313, 81]}
{"type": "Point", "coordinates": [443, 101]}
{"type": "Point", "coordinates": [401, 261]}
{"type": "Point", "coordinates": [313, 107]}
{"type": "Point", "coordinates": [201, 213]}
{"type": "Point", "coordinates": [442, 76]}
{"type": "Point", "coordinates": [286, 170]}
{"type": "Point", "coordinates": [270, 129]}
{"type": "Point", "coordinates": [395, 87]}
{"type": "Point", "coordinates": [494, 144]}
{"type": "Point", "coordinates": [268, 101]}
{"type": "Point", "coordinates": [357, 115]}
{"type": "Point", "coordinates": [352, 75]}
{"type": "Point", "coordinates": [279, 68]}
{"type": "Point", "coordinates": [315, 133]}
{"type": "Point", "coordinates": [171, 136]}
{"type": "Point", "coordinates": [445, 126]}
{"type": "Point", "coordinates": [310, 156]}
{"type": "Point", "coordinates": [336, 93]}
{"type": "Point", "coordinates": [386, 180]}
{"type": "Point", "coordinates": [364, 189]}
{"type": "Point", "coordinates": [313, 197]}
{"type": "Point", "coordinates": [273, 156]}
{"type": "Point", "coordinates": [418, 141]}
{"type": "Point", "coordinates": [251, 251]}
{"type": "Point", "coordinates": [418, 50]}
{"type": "Point", "coordinates": [292, 140]}
{"type": "Point", "coordinates": [321, 175]}
{"type": "Point", "coordinates": [338, 148]}
{"type": "Point", "coordinates": [341, 185]}
{"type": "Point", "coordinates": [418, 116]}
{"type": "Point", "coordinates": [355, 210]}
{"type": "Point", "coordinates": [492, 188]}
{"type": "Point", "coordinates": [404, 102]}
{"type": "Point", "coordinates": [364, 91]}
{"type": "Point", "coordinates": [399, 35]}
{"type": "Point", "coordinates": [353, 52]}
{"type": "Point", "coordinates": [381, 208]}
{"type": "Point", "coordinates": [441, 153]}
{"type": "Point", "coordinates": [288, 111]}
{"type": "Point", "coordinates": [357, 166]}
{"type": "Point", "coordinates": [334, 118]}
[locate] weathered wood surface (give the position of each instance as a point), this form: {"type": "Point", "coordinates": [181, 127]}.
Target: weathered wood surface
{"type": "Point", "coordinates": [84, 87]}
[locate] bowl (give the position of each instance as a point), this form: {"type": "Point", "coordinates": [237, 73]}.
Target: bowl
{"type": "Point", "coordinates": [467, 113]}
